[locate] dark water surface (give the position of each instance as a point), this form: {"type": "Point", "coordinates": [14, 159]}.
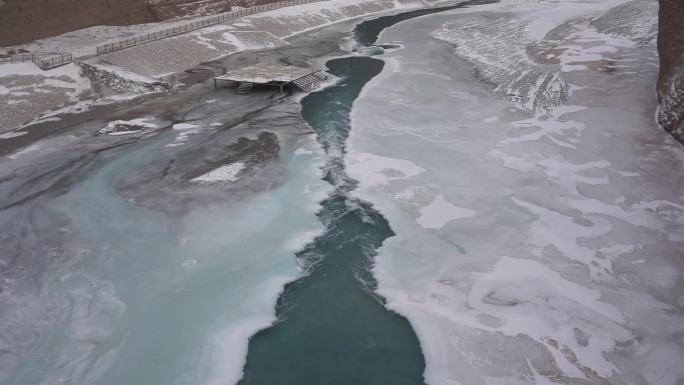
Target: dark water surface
{"type": "Point", "coordinates": [367, 33]}
{"type": "Point", "coordinates": [333, 328]}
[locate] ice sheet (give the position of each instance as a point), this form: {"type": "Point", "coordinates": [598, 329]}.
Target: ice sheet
{"type": "Point", "coordinates": [570, 271]}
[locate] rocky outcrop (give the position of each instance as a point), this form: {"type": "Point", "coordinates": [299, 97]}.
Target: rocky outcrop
{"type": "Point", "coordinates": [168, 9]}
{"type": "Point", "coordinates": [22, 21]}
{"type": "Point", "coordinates": [106, 80]}
{"type": "Point", "coordinates": [671, 80]}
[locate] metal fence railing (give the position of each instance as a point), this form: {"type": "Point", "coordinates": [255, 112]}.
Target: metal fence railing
{"type": "Point", "coordinates": [18, 58]}
{"type": "Point", "coordinates": [41, 60]}
{"type": "Point", "coordinates": [195, 25]}
{"type": "Point", "coordinates": [47, 61]}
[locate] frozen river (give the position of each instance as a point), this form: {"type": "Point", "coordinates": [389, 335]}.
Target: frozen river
{"type": "Point", "coordinates": [471, 205]}
{"type": "Point", "coordinates": [146, 246]}
{"type": "Point", "coordinates": [538, 210]}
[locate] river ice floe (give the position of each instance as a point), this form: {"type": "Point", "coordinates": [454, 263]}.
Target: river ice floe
{"type": "Point", "coordinates": [440, 212]}
{"type": "Point", "coordinates": [371, 168]}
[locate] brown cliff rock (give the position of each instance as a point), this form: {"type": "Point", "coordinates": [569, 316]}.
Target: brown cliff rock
{"type": "Point", "coordinates": [22, 21]}
{"type": "Point", "coordinates": [169, 9]}
{"type": "Point", "coordinates": [671, 79]}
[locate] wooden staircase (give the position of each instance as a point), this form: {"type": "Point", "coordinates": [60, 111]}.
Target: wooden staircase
{"type": "Point", "coordinates": [244, 87]}
{"type": "Point", "coordinates": [308, 83]}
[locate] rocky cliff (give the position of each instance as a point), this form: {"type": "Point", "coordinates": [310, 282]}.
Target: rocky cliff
{"type": "Point", "coordinates": [22, 21]}
{"type": "Point", "coordinates": [168, 9]}
{"type": "Point", "coordinates": [671, 80]}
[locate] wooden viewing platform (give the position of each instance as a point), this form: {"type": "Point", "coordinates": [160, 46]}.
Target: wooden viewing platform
{"type": "Point", "coordinates": [271, 75]}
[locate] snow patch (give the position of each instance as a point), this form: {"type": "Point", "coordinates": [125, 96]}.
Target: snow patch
{"type": "Point", "coordinates": [440, 212]}
{"type": "Point", "coordinates": [125, 127]}
{"type": "Point", "coordinates": [227, 172]}
{"type": "Point", "coordinates": [371, 169]}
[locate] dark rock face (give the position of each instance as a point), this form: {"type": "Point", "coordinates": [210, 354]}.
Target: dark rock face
{"type": "Point", "coordinates": [168, 9]}
{"type": "Point", "coordinates": [22, 21]}
{"type": "Point", "coordinates": [104, 80]}
{"type": "Point", "coordinates": [671, 80]}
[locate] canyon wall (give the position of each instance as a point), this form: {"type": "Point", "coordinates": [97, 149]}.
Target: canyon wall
{"type": "Point", "coordinates": [168, 9]}
{"type": "Point", "coordinates": [671, 81]}
{"type": "Point", "coordinates": [22, 21]}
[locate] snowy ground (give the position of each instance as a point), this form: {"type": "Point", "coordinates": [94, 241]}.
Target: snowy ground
{"type": "Point", "coordinates": [26, 91]}
{"type": "Point", "coordinates": [518, 48]}
{"type": "Point", "coordinates": [260, 31]}
{"type": "Point", "coordinates": [539, 234]}
{"type": "Point", "coordinates": [30, 95]}
{"type": "Point", "coordinates": [82, 42]}
{"type": "Point", "coordinates": [27, 94]}
{"type": "Point", "coordinates": [281, 22]}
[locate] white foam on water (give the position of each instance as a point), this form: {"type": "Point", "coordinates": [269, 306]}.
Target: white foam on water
{"type": "Point", "coordinates": [259, 243]}
{"type": "Point", "coordinates": [299, 242]}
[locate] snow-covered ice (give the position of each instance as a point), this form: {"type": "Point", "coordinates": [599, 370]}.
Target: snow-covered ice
{"type": "Point", "coordinates": [26, 91]}
{"type": "Point", "coordinates": [227, 172]}
{"type": "Point", "coordinates": [125, 127]}
{"type": "Point", "coordinates": [440, 212]}
{"type": "Point", "coordinates": [374, 169]}
{"type": "Point", "coordinates": [539, 120]}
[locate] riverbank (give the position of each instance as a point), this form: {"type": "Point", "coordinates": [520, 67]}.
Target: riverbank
{"type": "Point", "coordinates": [207, 180]}
{"type": "Point", "coordinates": [30, 96]}
{"type": "Point", "coordinates": [119, 103]}
{"type": "Point", "coordinates": [172, 226]}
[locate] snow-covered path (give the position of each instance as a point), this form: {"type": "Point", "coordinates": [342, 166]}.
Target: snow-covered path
{"type": "Point", "coordinates": [539, 238]}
